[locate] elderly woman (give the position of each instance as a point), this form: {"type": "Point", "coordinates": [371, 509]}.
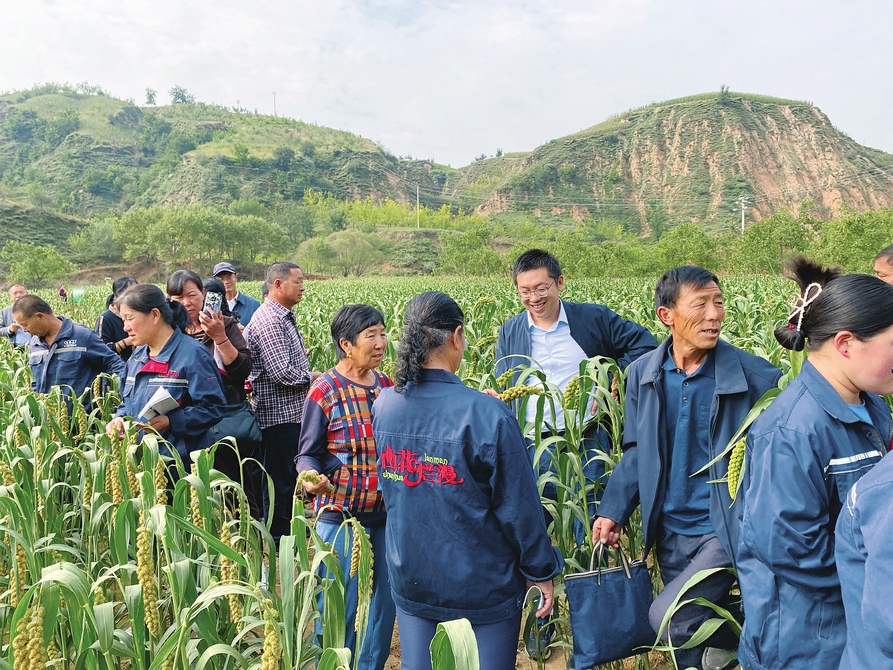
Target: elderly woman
{"type": "Point", "coordinates": [337, 442]}
{"type": "Point", "coordinates": [109, 325]}
{"type": "Point", "coordinates": [164, 357]}
{"type": "Point", "coordinates": [466, 534]}
{"type": "Point", "coordinates": [220, 334]}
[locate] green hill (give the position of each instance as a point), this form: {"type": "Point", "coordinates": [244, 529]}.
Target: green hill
{"type": "Point", "coordinates": [25, 223]}
{"type": "Point", "coordinates": [90, 154]}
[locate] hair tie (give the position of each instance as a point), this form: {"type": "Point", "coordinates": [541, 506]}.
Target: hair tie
{"type": "Point", "coordinates": [804, 301]}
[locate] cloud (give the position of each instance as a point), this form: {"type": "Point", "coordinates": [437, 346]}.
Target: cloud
{"type": "Point", "coordinates": [451, 79]}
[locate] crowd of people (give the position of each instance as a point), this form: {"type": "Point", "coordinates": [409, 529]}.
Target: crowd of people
{"type": "Point", "coordinates": [443, 480]}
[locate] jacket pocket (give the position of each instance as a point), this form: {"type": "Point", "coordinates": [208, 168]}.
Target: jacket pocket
{"type": "Point", "coordinates": [843, 472]}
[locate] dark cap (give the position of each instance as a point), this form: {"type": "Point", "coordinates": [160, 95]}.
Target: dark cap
{"type": "Point", "coordinates": [223, 267]}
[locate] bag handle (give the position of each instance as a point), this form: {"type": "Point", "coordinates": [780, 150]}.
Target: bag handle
{"type": "Point", "coordinates": [598, 550]}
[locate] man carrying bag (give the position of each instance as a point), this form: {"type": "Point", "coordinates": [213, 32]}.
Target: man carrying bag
{"type": "Point", "coordinates": [684, 402]}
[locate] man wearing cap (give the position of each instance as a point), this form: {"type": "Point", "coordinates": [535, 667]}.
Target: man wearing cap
{"type": "Point", "coordinates": [243, 304]}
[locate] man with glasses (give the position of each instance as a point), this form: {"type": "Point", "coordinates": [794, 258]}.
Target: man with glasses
{"type": "Point", "coordinates": [558, 335]}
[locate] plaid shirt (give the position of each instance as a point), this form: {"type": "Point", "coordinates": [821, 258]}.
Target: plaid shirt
{"type": "Point", "coordinates": [280, 372]}
{"type": "Point", "coordinates": [336, 440]}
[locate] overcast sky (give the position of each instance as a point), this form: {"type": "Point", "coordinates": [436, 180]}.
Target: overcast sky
{"type": "Point", "coordinates": [452, 79]}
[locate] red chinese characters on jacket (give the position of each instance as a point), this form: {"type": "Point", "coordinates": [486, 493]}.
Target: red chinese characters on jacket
{"type": "Point", "coordinates": [406, 466]}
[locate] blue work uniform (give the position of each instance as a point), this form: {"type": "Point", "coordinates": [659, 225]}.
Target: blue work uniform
{"type": "Point", "coordinates": [465, 526]}
{"type": "Point", "coordinates": [245, 306]}
{"type": "Point", "coordinates": [74, 359]}
{"type": "Point", "coordinates": [189, 373]}
{"type": "Point", "coordinates": [804, 453]}
{"type": "Point", "coordinates": [641, 476]}
{"type": "Point", "coordinates": [865, 568]}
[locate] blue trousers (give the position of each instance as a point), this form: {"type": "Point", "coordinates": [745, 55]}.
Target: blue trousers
{"type": "Point", "coordinates": [280, 446]}
{"type": "Point", "coordinates": [497, 642]}
{"type": "Point", "coordinates": [380, 627]}
{"type": "Point", "coordinates": [680, 557]}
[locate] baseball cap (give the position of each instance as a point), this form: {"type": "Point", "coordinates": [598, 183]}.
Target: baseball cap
{"type": "Point", "coordinates": [223, 267]}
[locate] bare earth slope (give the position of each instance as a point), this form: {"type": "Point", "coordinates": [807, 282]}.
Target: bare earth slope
{"type": "Point", "coordinates": [690, 160]}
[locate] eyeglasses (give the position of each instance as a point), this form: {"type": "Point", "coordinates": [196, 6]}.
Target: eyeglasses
{"type": "Point", "coordinates": [540, 292]}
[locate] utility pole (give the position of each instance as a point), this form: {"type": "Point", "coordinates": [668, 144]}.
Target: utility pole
{"type": "Point", "coordinates": [742, 202]}
{"type": "Point", "coordinates": [274, 103]}
{"type": "Point", "coordinates": [417, 224]}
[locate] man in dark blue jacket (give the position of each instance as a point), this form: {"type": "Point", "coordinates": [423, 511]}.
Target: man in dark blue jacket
{"type": "Point", "coordinates": [558, 336]}
{"type": "Point", "coordinates": [684, 402]}
{"type": "Point", "coordinates": [63, 353]}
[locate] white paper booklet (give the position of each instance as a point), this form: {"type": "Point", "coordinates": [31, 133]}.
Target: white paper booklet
{"type": "Point", "coordinates": [161, 402]}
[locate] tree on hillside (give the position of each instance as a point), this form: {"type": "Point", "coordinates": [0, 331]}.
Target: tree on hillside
{"type": "Point", "coordinates": [34, 266]}
{"type": "Point", "coordinates": [95, 243]}
{"type": "Point", "coordinates": [248, 207]}
{"type": "Point", "coordinates": [316, 256]}
{"type": "Point", "coordinates": [296, 220]}
{"type": "Point", "coordinates": [180, 96]}
{"type": "Point", "coordinates": [687, 244]}
{"type": "Point", "coordinates": [283, 157]}
{"type": "Point", "coordinates": [853, 239]}
{"type": "Point", "coordinates": [470, 253]}
{"type": "Point", "coordinates": [355, 252]}
{"type": "Point", "coordinates": [764, 246]}
{"type": "Point", "coordinates": [151, 94]}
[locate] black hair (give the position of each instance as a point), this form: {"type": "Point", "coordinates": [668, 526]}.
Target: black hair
{"type": "Point", "coordinates": [350, 321]}
{"type": "Point", "coordinates": [534, 259]}
{"type": "Point", "coordinates": [669, 286]}
{"type": "Point", "coordinates": [830, 303]}
{"type": "Point", "coordinates": [280, 270]}
{"type": "Point", "coordinates": [145, 297]}
{"type": "Point", "coordinates": [29, 305]}
{"type": "Point", "coordinates": [886, 253]}
{"type": "Point", "coordinates": [176, 284]}
{"type": "Point", "coordinates": [214, 285]}
{"type": "Point", "coordinates": [427, 323]}
{"type": "Point", "coordinates": [120, 285]}
{"type": "Point", "coordinates": [264, 290]}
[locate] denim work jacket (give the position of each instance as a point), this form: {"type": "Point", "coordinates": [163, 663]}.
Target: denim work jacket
{"type": "Point", "coordinates": [804, 453]}
{"type": "Point", "coordinates": [465, 526]}
{"type": "Point", "coordinates": [189, 373]}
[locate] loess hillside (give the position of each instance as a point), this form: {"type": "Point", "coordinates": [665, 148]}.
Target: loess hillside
{"type": "Point", "coordinates": [690, 160]}
{"type": "Point", "coordinates": [86, 154]}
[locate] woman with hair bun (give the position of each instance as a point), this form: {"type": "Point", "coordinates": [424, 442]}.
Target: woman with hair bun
{"type": "Point", "coordinates": [825, 430]}
{"type": "Point", "coordinates": [465, 533]}
{"type": "Point", "coordinates": [164, 357]}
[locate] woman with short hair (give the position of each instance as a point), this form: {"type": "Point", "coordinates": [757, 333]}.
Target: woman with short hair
{"type": "Point", "coordinates": [109, 325]}
{"type": "Point", "coordinates": [825, 430]}
{"type": "Point", "coordinates": [164, 357]}
{"type": "Point", "coordinates": [466, 534]}
{"type": "Point", "coordinates": [338, 443]}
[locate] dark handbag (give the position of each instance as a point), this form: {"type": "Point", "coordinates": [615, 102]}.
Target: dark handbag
{"type": "Point", "coordinates": [609, 610]}
{"type": "Point", "coordinates": [239, 423]}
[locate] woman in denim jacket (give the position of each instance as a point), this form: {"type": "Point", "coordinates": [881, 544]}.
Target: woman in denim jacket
{"type": "Point", "coordinates": [824, 430]}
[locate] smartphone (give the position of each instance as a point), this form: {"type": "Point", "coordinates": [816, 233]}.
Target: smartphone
{"type": "Point", "coordinates": [213, 302]}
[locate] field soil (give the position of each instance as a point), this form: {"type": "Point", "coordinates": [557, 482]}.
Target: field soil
{"type": "Point", "coordinates": [558, 660]}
